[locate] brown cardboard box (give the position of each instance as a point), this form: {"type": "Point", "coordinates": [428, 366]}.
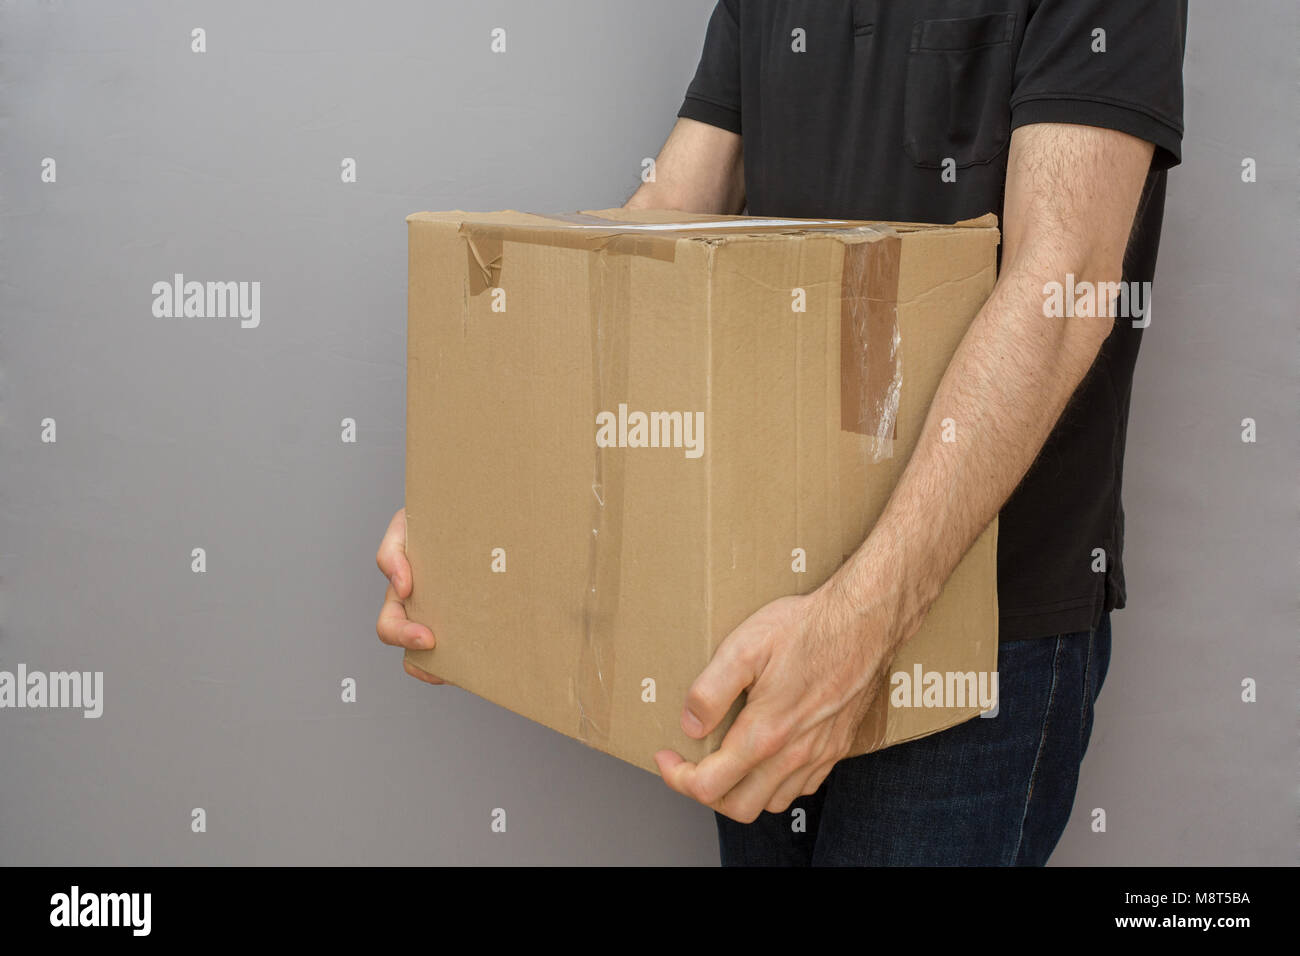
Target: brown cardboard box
{"type": "Point", "coordinates": [622, 435]}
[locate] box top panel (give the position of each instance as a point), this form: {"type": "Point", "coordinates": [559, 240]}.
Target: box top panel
{"type": "Point", "coordinates": [674, 224]}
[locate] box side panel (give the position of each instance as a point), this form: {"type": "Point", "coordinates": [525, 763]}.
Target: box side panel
{"type": "Point", "coordinates": [499, 467]}
{"type": "Point", "coordinates": [653, 391]}
{"type": "Point", "coordinates": [555, 503]}
{"type": "Point", "coordinates": [774, 505]}
{"type": "Point", "coordinates": [943, 279]}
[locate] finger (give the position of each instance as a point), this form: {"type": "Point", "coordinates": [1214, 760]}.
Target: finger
{"type": "Point", "coordinates": [791, 790]}
{"type": "Point", "coordinates": [752, 739]}
{"type": "Point", "coordinates": [668, 761]}
{"type": "Point", "coordinates": [393, 627]}
{"type": "Point", "coordinates": [421, 674]}
{"type": "Point", "coordinates": [817, 777]}
{"type": "Point", "coordinates": [391, 556]}
{"type": "Point", "coordinates": [676, 771]}
{"type": "Point", "coordinates": [759, 788]}
{"type": "Point", "coordinates": [731, 671]}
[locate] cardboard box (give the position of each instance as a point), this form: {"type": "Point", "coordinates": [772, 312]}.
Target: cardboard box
{"type": "Point", "coordinates": [623, 437]}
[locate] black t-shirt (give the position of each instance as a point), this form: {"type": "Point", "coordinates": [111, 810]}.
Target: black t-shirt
{"type": "Point", "coordinates": [855, 109]}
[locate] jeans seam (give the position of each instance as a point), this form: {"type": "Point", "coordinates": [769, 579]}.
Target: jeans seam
{"type": "Point", "coordinates": [1038, 756]}
{"type": "Point", "coordinates": [1087, 691]}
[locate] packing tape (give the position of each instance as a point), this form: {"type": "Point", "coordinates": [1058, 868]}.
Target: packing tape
{"type": "Point", "coordinates": [609, 286]}
{"type": "Point", "coordinates": [485, 242]}
{"type": "Point", "coordinates": [871, 381]}
{"type": "Point", "coordinates": [485, 246]}
{"type": "Point", "coordinates": [579, 218]}
{"type": "Point", "coordinates": [485, 253]}
{"type": "Point", "coordinates": [871, 368]}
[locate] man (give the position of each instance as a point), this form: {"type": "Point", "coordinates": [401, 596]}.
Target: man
{"type": "Point", "coordinates": [1062, 116]}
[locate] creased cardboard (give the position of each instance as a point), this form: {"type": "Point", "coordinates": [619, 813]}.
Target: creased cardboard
{"type": "Point", "coordinates": [623, 438]}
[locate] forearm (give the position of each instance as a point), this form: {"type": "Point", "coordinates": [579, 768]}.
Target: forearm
{"type": "Point", "coordinates": [1071, 195]}
{"type": "Point", "coordinates": [699, 169]}
{"type": "Point", "coordinates": [1005, 388]}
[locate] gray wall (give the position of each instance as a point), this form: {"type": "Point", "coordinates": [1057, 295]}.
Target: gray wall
{"type": "Point", "coordinates": [222, 689]}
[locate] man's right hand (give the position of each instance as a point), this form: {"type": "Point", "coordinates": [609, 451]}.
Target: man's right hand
{"type": "Point", "coordinates": [393, 627]}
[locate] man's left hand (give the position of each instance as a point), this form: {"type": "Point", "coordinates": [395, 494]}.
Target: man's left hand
{"type": "Point", "coordinates": [812, 668]}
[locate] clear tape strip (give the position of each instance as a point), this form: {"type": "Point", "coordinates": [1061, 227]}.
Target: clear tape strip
{"type": "Point", "coordinates": [609, 278]}
{"type": "Point", "coordinates": [871, 367]}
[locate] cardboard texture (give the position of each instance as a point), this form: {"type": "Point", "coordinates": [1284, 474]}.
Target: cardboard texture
{"type": "Point", "coordinates": [619, 431]}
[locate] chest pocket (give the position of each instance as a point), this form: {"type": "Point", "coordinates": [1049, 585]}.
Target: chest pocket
{"type": "Point", "coordinates": [958, 88]}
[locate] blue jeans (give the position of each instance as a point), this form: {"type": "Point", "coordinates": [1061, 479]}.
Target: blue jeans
{"type": "Point", "coordinates": [994, 791]}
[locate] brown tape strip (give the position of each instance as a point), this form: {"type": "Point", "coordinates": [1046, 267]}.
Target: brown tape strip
{"type": "Point", "coordinates": [869, 369]}
{"type": "Point", "coordinates": [485, 244]}
{"type": "Point", "coordinates": [485, 261]}
{"type": "Point", "coordinates": [485, 241]}
{"type": "Point", "coordinates": [609, 288]}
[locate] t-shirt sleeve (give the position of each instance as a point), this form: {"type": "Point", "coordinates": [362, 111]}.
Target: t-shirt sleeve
{"type": "Point", "coordinates": [714, 94]}
{"type": "Point", "coordinates": [1107, 64]}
